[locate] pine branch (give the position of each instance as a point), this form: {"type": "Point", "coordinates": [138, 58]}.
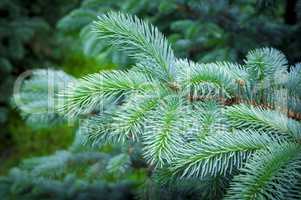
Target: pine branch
{"type": "Point", "coordinates": [266, 64]}
{"type": "Point", "coordinates": [294, 81]}
{"type": "Point", "coordinates": [207, 118]}
{"type": "Point", "coordinates": [248, 117]}
{"type": "Point", "coordinates": [140, 40]}
{"type": "Point", "coordinates": [213, 79]}
{"type": "Point", "coordinates": [162, 137]}
{"type": "Point", "coordinates": [131, 117]}
{"type": "Point", "coordinates": [269, 174]}
{"type": "Point", "coordinates": [93, 90]}
{"type": "Point", "coordinates": [96, 130]}
{"type": "Point", "coordinates": [218, 154]}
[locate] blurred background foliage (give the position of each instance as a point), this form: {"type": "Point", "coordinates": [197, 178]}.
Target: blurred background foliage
{"type": "Point", "coordinates": [56, 34]}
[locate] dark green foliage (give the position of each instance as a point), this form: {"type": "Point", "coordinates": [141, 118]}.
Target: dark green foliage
{"type": "Point", "coordinates": [203, 31]}
{"type": "Point", "coordinates": [23, 45]}
{"type": "Point", "coordinates": [79, 173]}
{"type": "Point", "coordinates": [25, 142]}
{"type": "Point", "coordinates": [23, 30]}
{"type": "Point", "coordinates": [21, 185]}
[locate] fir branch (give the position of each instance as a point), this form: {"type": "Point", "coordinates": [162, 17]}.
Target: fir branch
{"type": "Point", "coordinates": [269, 174]}
{"type": "Point", "coordinates": [213, 79]}
{"type": "Point", "coordinates": [131, 117]}
{"type": "Point", "coordinates": [218, 154]}
{"type": "Point", "coordinates": [162, 137]}
{"type": "Point", "coordinates": [91, 91]}
{"type": "Point", "coordinates": [265, 64]}
{"type": "Point", "coordinates": [140, 40]}
{"type": "Point", "coordinates": [244, 116]}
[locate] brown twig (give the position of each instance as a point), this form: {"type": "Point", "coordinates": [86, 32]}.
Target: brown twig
{"type": "Point", "coordinates": [237, 100]}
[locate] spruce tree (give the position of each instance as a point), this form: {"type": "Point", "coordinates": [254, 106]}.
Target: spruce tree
{"type": "Point", "coordinates": [232, 127]}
